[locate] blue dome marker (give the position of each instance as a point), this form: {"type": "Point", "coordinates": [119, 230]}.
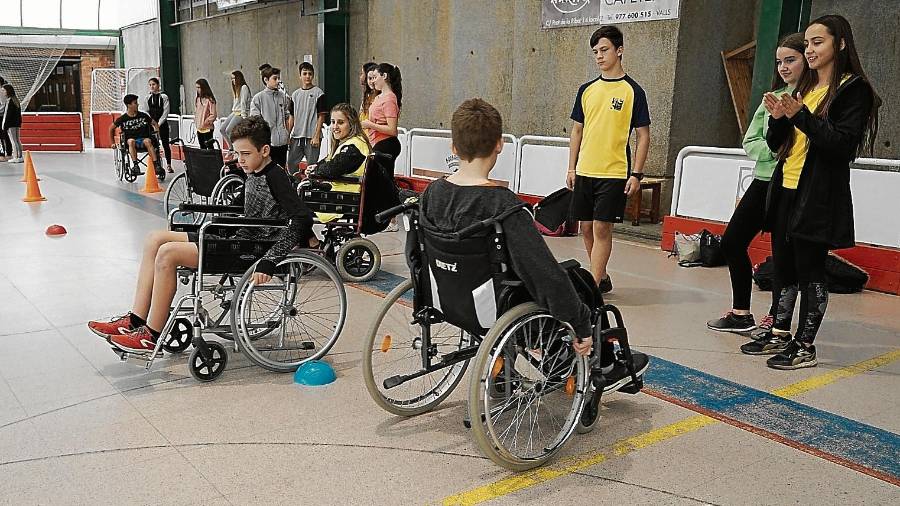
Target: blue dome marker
{"type": "Point", "coordinates": [315, 373]}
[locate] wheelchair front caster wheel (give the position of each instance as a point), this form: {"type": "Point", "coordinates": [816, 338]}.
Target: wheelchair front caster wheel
{"type": "Point", "coordinates": [358, 260]}
{"type": "Point", "coordinates": [208, 370]}
{"type": "Point", "coordinates": [179, 336]}
{"type": "Point", "coordinates": [130, 175]}
{"type": "Point", "coordinates": [161, 175]}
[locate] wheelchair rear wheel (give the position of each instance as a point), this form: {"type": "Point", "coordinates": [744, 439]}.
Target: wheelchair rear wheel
{"type": "Point", "coordinates": [294, 318]}
{"type": "Point", "coordinates": [527, 390]}
{"type": "Point", "coordinates": [228, 190]}
{"type": "Point", "coordinates": [119, 158]}
{"type": "Point", "coordinates": [179, 192]}
{"type": "Point", "coordinates": [358, 260]}
{"type": "Point", "coordinates": [394, 348]}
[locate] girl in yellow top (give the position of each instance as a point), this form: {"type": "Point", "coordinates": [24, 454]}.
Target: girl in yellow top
{"type": "Point", "coordinates": [816, 134]}
{"type": "Point", "coordinates": [347, 158]}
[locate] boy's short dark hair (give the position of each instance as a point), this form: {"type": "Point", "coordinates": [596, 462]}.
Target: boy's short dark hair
{"type": "Point", "coordinates": [268, 72]}
{"type": "Point", "coordinates": [306, 66]}
{"type": "Point", "coordinates": [255, 129]}
{"type": "Point", "coordinates": [130, 98]}
{"type": "Point", "coordinates": [612, 33]}
{"type": "Point", "coordinates": [476, 127]}
{"type": "Point", "coordinates": [154, 80]}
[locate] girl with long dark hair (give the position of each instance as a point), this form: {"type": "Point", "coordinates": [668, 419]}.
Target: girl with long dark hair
{"type": "Point", "coordinates": [367, 81]}
{"type": "Point", "coordinates": [204, 112]}
{"type": "Point", "coordinates": [748, 217]}
{"type": "Point", "coordinates": [240, 108]}
{"type": "Point", "coordinates": [384, 113]}
{"type": "Point", "coordinates": [12, 121]}
{"type": "Point", "coordinates": [830, 121]}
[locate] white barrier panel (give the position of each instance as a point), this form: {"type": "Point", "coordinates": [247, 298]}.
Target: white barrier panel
{"type": "Point", "coordinates": [401, 165]}
{"type": "Point", "coordinates": [542, 167]}
{"type": "Point", "coordinates": [709, 181]}
{"type": "Point", "coordinates": [188, 131]}
{"type": "Point", "coordinates": [429, 149]}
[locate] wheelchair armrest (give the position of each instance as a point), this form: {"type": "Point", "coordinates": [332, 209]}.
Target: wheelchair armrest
{"type": "Point", "coordinates": [241, 220]}
{"type": "Point", "coordinates": [318, 177]}
{"type": "Point", "coordinates": [512, 283]}
{"type": "Point", "coordinates": [210, 208]}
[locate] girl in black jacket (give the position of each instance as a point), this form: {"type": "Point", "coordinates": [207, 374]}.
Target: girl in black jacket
{"type": "Point", "coordinates": [12, 122]}
{"type": "Point", "coordinates": [817, 133]}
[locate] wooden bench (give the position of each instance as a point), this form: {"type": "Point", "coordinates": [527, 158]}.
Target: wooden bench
{"type": "Point", "coordinates": [633, 209]}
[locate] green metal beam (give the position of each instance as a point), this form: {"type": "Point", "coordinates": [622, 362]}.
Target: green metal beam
{"type": "Point", "coordinates": [777, 18]}
{"type": "Point", "coordinates": [170, 54]}
{"type": "Point", "coordinates": [30, 30]}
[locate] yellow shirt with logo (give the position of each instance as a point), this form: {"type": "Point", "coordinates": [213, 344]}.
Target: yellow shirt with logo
{"type": "Point", "coordinates": [609, 109]}
{"type": "Point", "coordinates": [793, 164]}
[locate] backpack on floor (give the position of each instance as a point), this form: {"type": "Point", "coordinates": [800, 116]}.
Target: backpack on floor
{"type": "Point", "coordinates": [843, 276]}
{"type": "Point", "coordinates": [553, 215]}
{"type": "Point", "coordinates": [711, 254]}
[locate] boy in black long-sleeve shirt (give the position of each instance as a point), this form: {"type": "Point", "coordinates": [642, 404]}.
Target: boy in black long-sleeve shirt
{"type": "Point", "coordinates": [468, 196]}
{"type": "Point", "coordinates": [269, 193]}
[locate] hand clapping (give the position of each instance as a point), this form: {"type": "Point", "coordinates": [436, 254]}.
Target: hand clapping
{"type": "Point", "coordinates": [791, 105]}
{"type": "Point", "coordinates": [773, 105]}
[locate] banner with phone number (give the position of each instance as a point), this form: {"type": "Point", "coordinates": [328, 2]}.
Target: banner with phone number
{"type": "Point", "coordinates": [565, 13]}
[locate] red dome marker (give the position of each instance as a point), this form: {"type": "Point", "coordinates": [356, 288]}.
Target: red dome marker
{"type": "Point", "coordinates": [56, 230]}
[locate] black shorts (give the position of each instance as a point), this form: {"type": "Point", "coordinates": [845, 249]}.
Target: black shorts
{"type": "Point", "coordinates": [599, 199]}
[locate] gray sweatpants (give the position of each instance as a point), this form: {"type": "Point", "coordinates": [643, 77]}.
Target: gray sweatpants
{"type": "Point", "coordinates": [300, 148]}
{"type": "Point", "coordinates": [16, 142]}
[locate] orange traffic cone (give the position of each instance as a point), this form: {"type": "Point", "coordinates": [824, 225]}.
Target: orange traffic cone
{"type": "Point", "coordinates": [151, 185]}
{"type": "Point", "coordinates": [32, 189]}
{"type": "Point", "coordinates": [28, 170]}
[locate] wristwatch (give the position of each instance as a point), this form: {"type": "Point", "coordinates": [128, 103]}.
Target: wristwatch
{"type": "Point", "coordinates": [638, 175]}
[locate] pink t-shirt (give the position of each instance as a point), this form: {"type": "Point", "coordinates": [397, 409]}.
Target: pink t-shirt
{"type": "Point", "coordinates": [384, 107]}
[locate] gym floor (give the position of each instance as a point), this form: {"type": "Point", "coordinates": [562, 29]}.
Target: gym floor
{"type": "Point", "coordinates": [77, 426]}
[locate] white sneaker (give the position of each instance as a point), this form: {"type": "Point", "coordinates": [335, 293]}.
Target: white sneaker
{"type": "Point", "coordinates": [16, 160]}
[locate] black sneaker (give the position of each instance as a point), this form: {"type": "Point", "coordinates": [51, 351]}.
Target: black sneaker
{"type": "Point", "coordinates": [768, 344]}
{"type": "Point", "coordinates": [796, 356]}
{"type": "Point", "coordinates": [619, 377]}
{"type": "Point", "coordinates": [733, 323]}
{"type": "Point", "coordinates": [605, 284]}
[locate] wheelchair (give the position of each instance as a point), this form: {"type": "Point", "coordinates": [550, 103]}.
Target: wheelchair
{"type": "Point", "coordinates": [529, 390]}
{"type": "Point", "coordinates": [356, 258]}
{"type": "Point", "coordinates": [207, 180]}
{"type": "Point", "coordinates": [124, 168]}
{"type": "Point", "coordinates": [294, 318]}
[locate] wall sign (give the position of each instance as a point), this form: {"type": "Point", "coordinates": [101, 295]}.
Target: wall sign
{"type": "Point", "coordinates": [563, 13]}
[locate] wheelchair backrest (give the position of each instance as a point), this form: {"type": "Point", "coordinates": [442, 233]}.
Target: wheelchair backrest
{"type": "Point", "coordinates": [461, 273]}
{"type": "Point", "coordinates": [203, 168]}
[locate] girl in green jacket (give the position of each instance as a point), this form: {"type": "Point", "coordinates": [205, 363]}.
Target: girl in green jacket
{"type": "Point", "coordinates": [748, 217]}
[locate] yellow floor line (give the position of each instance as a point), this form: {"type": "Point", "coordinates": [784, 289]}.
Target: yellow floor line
{"type": "Point", "coordinates": [622, 447]}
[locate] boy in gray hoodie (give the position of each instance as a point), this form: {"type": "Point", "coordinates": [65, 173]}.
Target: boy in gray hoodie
{"type": "Point", "coordinates": [274, 106]}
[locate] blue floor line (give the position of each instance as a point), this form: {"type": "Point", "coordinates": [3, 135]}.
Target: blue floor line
{"type": "Point", "coordinates": [129, 198]}
{"type": "Point", "coordinates": [846, 439]}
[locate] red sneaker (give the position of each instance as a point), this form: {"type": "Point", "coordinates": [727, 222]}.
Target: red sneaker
{"type": "Point", "coordinates": [115, 325]}
{"type": "Point", "coordinates": [139, 340]}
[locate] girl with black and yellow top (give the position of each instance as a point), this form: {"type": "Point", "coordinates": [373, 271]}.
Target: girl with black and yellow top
{"type": "Point", "coordinates": [347, 158]}
{"type": "Point", "coordinates": [817, 133]}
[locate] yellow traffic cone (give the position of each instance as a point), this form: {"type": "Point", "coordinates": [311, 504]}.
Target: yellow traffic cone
{"type": "Point", "coordinates": [151, 184]}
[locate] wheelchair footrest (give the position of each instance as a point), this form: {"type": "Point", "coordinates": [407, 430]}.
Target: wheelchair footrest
{"type": "Point", "coordinates": [394, 381]}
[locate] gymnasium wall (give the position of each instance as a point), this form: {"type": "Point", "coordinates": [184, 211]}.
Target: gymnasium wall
{"type": "Point", "coordinates": [141, 44]}
{"type": "Point", "coordinates": [244, 40]}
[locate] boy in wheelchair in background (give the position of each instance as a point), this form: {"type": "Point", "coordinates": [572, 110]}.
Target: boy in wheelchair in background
{"type": "Point", "coordinates": [468, 196]}
{"type": "Point", "coordinates": [136, 132]}
{"type": "Point", "coordinates": [269, 193]}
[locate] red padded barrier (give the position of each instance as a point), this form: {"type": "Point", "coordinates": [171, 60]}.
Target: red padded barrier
{"type": "Point", "coordinates": [52, 132]}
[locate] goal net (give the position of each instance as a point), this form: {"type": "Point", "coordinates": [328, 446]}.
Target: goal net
{"type": "Point", "coordinates": [27, 67]}
{"type": "Point", "coordinates": [109, 87]}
